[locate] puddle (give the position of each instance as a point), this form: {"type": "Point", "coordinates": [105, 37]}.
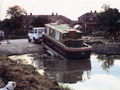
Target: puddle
{"type": "Point", "coordinates": [29, 59]}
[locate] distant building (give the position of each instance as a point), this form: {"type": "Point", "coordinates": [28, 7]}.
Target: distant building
{"type": "Point", "coordinates": [89, 21]}
{"type": "Point", "coordinates": [85, 22]}
{"type": "Point", "coordinates": [53, 18]}
{"type": "Point", "coordinates": [28, 19]}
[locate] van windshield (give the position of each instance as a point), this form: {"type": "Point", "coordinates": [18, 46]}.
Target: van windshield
{"type": "Point", "coordinates": [40, 30]}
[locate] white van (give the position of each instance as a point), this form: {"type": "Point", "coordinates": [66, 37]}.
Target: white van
{"type": "Point", "coordinates": [35, 35]}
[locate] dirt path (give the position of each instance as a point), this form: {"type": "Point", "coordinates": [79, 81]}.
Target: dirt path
{"type": "Point", "coordinates": [22, 46]}
{"type": "Point", "coordinates": [19, 46]}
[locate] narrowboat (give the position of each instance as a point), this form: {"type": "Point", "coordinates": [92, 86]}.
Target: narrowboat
{"type": "Point", "coordinates": [65, 42]}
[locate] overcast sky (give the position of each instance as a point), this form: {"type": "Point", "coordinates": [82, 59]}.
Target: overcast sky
{"type": "Point", "coordinates": [69, 8]}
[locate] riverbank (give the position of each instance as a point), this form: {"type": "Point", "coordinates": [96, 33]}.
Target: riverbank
{"type": "Point", "coordinates": [22, 46]}
{"type": "Point", "coordinates": [25, 75]}
{"type": "Point", "coordinates": [101, 45]}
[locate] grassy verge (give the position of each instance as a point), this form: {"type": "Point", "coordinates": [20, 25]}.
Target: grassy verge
{"type": "Point", "coordinates": [26, 76]}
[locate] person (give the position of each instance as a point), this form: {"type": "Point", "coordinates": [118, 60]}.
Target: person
{"type": "Point", "coordinates": [1, 35]}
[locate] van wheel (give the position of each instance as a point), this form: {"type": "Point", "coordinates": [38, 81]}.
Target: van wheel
{"type": "Point", "coordinates": [34, 41]}
{"type": "Point", "coordinates": [29, 40]}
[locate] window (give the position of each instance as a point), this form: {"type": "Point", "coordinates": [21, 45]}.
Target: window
{"type": "Point", "coordinates": [40, 30]}
{"type": "Point", "coordinates": [35, 30]}
{"type": "Point", "coordinates": [51, 31]}
{"type": "Point", "coordinates": [91, 18]}
{"type": "Point", "coordinates": [64, 36]}
{"type": "Point", "coordinates": [57, 35]}
{"type": "Point", "coordinates": [48, 30]}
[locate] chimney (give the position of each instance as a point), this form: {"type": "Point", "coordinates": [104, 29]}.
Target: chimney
{"type": "Point", "coordinates": [95, 11]}
{"type": "Point", "coordinates": [52, 14]}
{"type": "Point", "coordinates": [30, 14]}
{"type": "Point", "coordinates": [91, 11]}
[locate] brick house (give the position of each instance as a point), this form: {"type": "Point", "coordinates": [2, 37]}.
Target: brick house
{"type": "Point", "coordinates": [89, 21]}
{"type": "Point", "coordinates": [53, 18]}
{"type": "Point", "coordinates": [28, 19]}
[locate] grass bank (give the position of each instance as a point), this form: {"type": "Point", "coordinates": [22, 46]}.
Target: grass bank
{"type": "Point", "coordinates": [26, 76]}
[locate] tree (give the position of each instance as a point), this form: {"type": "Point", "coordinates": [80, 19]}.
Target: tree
{"type": "Point", "coordinates": [5, 23]}
{"type": "Point", "coordinates": [15, 11]}
{"type": "Point", "coordinates": [5, 26]}
{"type": "Point", "coordinates": [16, 16]}
{"type": "Point", "coordinates": [109, 17]}
{"type": "Point", "coordinates": [105, 7]}
{"type": "Point", "coordinates": [40, 21]}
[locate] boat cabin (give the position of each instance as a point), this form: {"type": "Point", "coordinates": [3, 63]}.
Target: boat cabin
{"type": "Point", "coordinates": [68, 36]}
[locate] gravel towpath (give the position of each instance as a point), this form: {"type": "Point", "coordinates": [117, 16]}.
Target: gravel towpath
{"type": "Point", "coordinates": [19, 46]}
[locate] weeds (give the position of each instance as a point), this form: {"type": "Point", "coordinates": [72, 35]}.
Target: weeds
{"type": "Point", "coordinates": [26, 76]}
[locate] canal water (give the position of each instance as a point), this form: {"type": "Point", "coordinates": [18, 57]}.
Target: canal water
{"type": "Point", "coordinates": [101, 72]}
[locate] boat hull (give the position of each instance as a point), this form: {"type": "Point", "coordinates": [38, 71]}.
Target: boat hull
{"type": "Point", "coordinates": [67, 53]}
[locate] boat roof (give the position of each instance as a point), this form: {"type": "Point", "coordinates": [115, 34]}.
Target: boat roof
{"type": "Point", "coordinates": [62, 28]}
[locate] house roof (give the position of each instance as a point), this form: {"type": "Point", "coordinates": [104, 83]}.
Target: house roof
{"type": "Point", "coordinates": [88, 14]}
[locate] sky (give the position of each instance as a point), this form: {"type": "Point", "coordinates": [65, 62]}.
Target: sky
{"type": "Point", "coordinates": [69, 8]}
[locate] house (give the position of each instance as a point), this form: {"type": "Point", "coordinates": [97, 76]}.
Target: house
{"type": "Point", "coordinates": [85, 22]}
{"type": "Point", "coordinates": [89, 21]}
{"type": "Point", "coordinates": [53, 18]}
{"type": "Point", "coordinates": [28, 19]}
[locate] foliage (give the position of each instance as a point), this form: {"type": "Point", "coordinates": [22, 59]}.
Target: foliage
{"type": "Point", "coordinates": [40, 21]}
{"type": "Point", "coordinates": [4, 23]}
{"type": "Point", "coordinates": [5, 26]}
{"type": "Point", "coordinates": [24, 76]}
{"type": "Point", "coordinates": [109, 18]}
{"type": "Point", "coordinates": [16, 23]}
{"type": "Point", "coordinates": [16, 16]}
{"type": "Point", "coordinates": [13, 25]}
{"type": "Point", "coordinates": [64, 87]}
{"type": "Point", "coordinates": [105, 7]}
{"type": "Point", "coordinates": [15, 11]}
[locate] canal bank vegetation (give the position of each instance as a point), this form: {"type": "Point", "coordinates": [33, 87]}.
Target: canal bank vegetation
{"type": "Point", "coordinates": [15, 27]}
{"type": "Point", "coordinates": [26, 76]}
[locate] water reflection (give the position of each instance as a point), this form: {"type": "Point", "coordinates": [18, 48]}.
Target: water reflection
{"type": "Point", "coordinates": [107, 61]}
{"type": "Point", "coordinates": [72, 73]}
{"type": "Point", "coordinates": [58, 69]}
{"type": "Point", "coordinates": [68, 71]}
